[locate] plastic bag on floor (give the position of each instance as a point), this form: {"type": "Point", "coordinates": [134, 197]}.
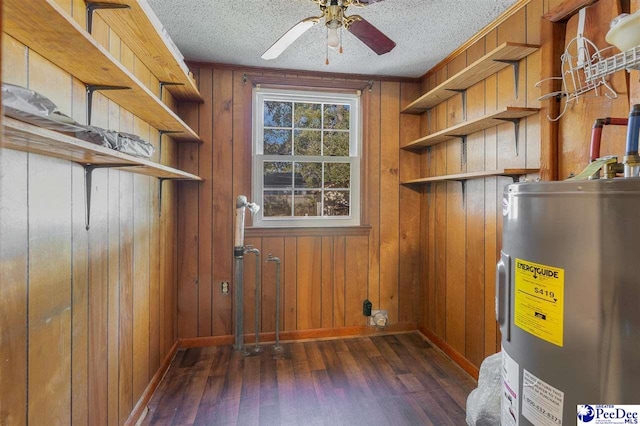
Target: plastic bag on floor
{"type": "Point", "coordinates": [483, 403]}
{"type": "Point", "coordinates": [29, 106]}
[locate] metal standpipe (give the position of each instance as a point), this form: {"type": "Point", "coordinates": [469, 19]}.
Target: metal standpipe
{"type": "Point", "coordinates": [276, 260]}
{"type": "Point", "coordinates": [238, 254]}
{"type": "Point", "coordinates": [252, 249]}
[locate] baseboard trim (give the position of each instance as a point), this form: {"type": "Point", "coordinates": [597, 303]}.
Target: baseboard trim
{"type": "Point", "coordinates": [459, 359]}
{"type": "Point", "coordinates": [299, 335]}
{"type": "Point", "coordinates": [141, 406]}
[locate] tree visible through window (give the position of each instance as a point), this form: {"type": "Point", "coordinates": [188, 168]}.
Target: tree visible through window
{"type": "Point", "coordinates": [306, 162]}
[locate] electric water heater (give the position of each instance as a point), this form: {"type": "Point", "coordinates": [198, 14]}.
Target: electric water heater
{"type": "Point", "coordinates": [568, 299]}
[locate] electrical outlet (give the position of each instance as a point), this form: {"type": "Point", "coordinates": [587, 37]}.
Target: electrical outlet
{"type": "Point", "coordinates": [366, 308]}
{"type": "Point", "coordinates": [379, 318]}
{"type": "Point", "coordinates": [224, 287]}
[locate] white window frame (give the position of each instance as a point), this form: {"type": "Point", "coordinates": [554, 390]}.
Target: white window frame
{"type": "Point", "coordinates": [260, 95]}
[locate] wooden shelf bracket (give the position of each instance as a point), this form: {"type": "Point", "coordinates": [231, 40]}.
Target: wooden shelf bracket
{"type": "Point", "coordinates": [95, 87]}
{"type": "Point", "coordinates": [93, 6]}
{"type": "Point", "coordinates": [515, 65]}
{"type": "Point", "coordinates": [88, 179]}
{"type": "Point", "coordinates": [516, 129]}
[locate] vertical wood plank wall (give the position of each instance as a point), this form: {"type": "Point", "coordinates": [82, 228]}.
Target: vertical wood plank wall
{"type": "Point", "coordinates": [460, 231]}
{"type": "Point", "coordinates": [326, 275]}
{"type": "Point", "coordinates": [87, 316]}
{"type": "Point", "coordinates": [461, 236]}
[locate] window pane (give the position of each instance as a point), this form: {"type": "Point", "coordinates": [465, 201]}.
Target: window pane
{"type": "Point", "coordinates": [277, 142]}
{"type": "Point", "coordinates": [307, 203]}
{"type": "Point", "coordinates": [307, 142]}
{"type": "Point", "coordinates": [277, 203]}
{"type": "Point", "coordinates": [277, 114]}
{"type": "Point", "coordinates": [337, 175]}
{"type": "Point", "coordinates": [336, 203]}
{"type": "Point", "coordinates": [278, 174]}
{"type": "Point", "coordinates": [336, 117]}
{"type": "Point", "coordinates": [308, 175]}
{"type": "Point", "coordinates": [336, 144]}
{"type": "Point", "coordinates": [308, 116]}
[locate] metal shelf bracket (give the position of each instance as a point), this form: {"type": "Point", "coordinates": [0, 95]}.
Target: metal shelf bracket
{"type": "Point", "coordinates": [95, 87]}
{"type": "Point", "coordinates": [463, 182]}
{"type": "Point", "coordinates": [516, 71]}
{"type": "Point", "coordinates": [160, 192]}
{"type": "Point", "coordinates": [464, 101]}
{"type": "Point", "coordinates": [161, 133]}
{"type": "Point", "coordinates": [516, 178]}
{"type": "Point", "coordinates": [93, 6]}
{"type": "Point", "coordinates": [516, 129]}
{"type": "Point", "coordinates": [162, 84]}
{"type": "Point", "coordinates": [88, 178]}
{"type": "Point", "coordinates": [463, 149]}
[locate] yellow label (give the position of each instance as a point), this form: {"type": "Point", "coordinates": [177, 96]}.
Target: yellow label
{"type": "Point", "coordinates": [539, 300]}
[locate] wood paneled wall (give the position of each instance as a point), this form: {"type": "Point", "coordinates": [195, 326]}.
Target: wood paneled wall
{"type": "Point", "coordinates": [462, 221]}
{"type": "Point", "coordinates": [87, 316]}
{"type": "Point", "coordinates": [326, 274]}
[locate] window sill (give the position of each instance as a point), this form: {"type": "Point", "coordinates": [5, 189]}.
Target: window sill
{"type": "Point", "coordinates": [362, 230]}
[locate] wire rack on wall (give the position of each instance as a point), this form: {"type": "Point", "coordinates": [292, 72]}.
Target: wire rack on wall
{"type": "Point", "coordinates": [585, 68]}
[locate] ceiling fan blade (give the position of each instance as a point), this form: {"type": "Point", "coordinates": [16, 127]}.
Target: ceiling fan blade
{"type": "Point", "coordinates": [371, 36]}
{"type": "Point", "coordinates": [367, 2]}
{"type": "Point", "coordinates": [289, 37]}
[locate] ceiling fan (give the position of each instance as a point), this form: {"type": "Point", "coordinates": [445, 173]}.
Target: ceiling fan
{"type": "Point", "coordinates": [334, 15]}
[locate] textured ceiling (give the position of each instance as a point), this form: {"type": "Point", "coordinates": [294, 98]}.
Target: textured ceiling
{"type": "Point", "coordinates": [239, 31]}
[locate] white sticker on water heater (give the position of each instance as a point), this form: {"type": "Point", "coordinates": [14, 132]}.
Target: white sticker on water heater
{"type": "Point", "coordinates": [505, 206]}
{"type": "Point", "coordinates": [510, 391]}
{"type": "Point", "coordinates": [541, 403]}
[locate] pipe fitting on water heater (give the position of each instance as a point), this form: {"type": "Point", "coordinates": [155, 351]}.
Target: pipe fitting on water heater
{"type": "Point", "coordinates": [631, 159]}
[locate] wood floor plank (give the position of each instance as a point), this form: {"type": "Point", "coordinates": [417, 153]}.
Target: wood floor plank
{"type": "Point", "coordinates": [195, 387]}
{"type": "Point", "coordinates": [286, 391]}
{"type": "Point", "coordinates": [383, 380]}
{"type": "Point", "coordinates": [249, 413]}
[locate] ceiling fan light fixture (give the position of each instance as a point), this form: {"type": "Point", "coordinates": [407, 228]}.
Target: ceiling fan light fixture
{"type": "Point", "coordinates": [332, 37]}
{"type": "Point", "coordinates": [335, 19]}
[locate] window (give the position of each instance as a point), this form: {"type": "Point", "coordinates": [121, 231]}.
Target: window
{"type": "Point", "coordinates": [306, 158]}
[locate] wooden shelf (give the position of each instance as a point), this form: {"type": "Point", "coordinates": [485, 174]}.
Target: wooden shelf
{"type": "Point", "coordinates": [514, 173]}
{"type": "Point", "coordinates": [494, 61]}
{"type": "Point", "coordinates": [29, 138]}
{"type": "Point", "coordinates": [148, 44]}
{"type": "Point", "coordinates": [490, 120]}
{"type": "Point", "coordinates": [47, 29]}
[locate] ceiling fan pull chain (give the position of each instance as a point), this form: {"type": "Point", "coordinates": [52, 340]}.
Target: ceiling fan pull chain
{"type": "Point", "coordinates": [326, 47]}
{"type": "Point", "coordinates": [340, 50]}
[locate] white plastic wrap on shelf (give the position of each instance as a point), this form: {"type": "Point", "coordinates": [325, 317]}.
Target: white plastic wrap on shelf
{"type": "Point", "coordinates": [29, 106]}
{"type": "Point", "coordinates": [121, 142]}
{"type": "Point", "coordinates": [483, 403]}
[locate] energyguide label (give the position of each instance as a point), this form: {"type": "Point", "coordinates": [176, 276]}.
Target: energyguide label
{"type": "Point", "coordinates": [539, 300]}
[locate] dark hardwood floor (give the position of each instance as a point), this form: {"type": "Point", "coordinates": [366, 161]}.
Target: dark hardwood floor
{"type": "Point", "coordinates": [383, 380]}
